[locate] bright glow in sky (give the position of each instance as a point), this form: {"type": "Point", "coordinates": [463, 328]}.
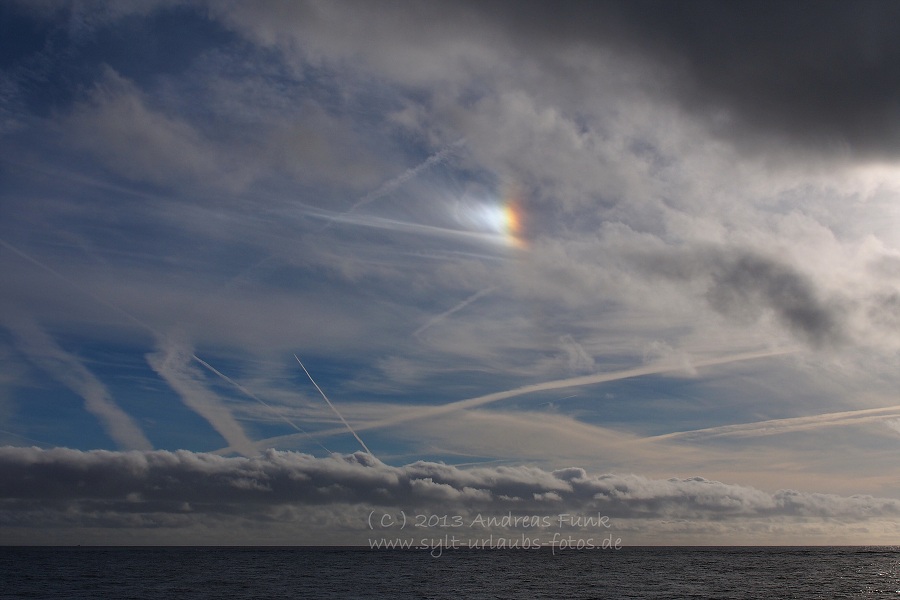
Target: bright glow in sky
{"type": "Point", "coordinates": [504, 217]}
{"type": "Point", "coordinates": [639, 259]}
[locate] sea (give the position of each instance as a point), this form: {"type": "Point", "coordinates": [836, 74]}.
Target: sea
{"type": "Point", "coordinates": [237, 573]}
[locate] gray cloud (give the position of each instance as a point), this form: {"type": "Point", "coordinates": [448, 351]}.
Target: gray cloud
{"type": "Point", "coordinates": [744, 285]}
{"type": "Point", "coordinates": [824, 74]}
{"type": "Point", "coordinates": [160, 481]}
{"type": "Point", "coordinates": [748, 282]}
{"type": "Point", "coordinates": [196, 196]}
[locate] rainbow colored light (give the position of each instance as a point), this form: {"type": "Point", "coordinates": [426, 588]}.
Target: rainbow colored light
{"type": "Point", "coordinates": [504, 218]}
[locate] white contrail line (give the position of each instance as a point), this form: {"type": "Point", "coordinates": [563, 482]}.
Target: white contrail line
{"type": "Point", "coordinates": [340, 416]}
{"type": "Point", "coordinates": [137, 321]}
{"type": "Point", "coordinates": [786, 425]}
{"type": "Point", "coordinates": [20, 436]}
{"type": "Point", "coordinates": [564, 383]}
{"type": "Point", "coordinates": [173, 363]}
{"type": "Point", "coordinates": [435, 411]}
{"type": "Point", "coordinates": [69, 370]}
{"type": "Point", "coordinates": [417, 228]}
{"type": "Point", "coordinates": [386, 188]}
{"type": "Point", "coordinates": [461, 305]}
{"type": "Point", "coordinates": [79, 287]}
{"type": "Point", "coordinates": [391, 185]}
{"type": "Point", "coordinates": [257, 398]}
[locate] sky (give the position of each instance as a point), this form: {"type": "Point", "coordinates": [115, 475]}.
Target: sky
{"type": "Point", "coordinates": [289, 272]}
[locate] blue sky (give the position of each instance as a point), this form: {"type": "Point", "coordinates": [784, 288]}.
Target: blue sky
{"type": "Point", "coordinates": [651, 241]}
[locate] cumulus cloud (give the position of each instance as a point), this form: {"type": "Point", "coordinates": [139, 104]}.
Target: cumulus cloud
{"type": "Point", "coordinates": [110, 489]}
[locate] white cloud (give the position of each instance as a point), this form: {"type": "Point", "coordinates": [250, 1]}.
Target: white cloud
{"type": "Point", "coordinates": [294, 191]}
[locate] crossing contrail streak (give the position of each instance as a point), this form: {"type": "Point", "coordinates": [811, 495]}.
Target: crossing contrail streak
{"type": "Point", "coordinates": [78, 287]}
{"type": "Point", "coordinates": [435, 320]}
{"type": "Point", "coordinates": [70, 370]}
{"type": "Point", "coordinates": [27, 439]}
{"type": "Point", "coordinates": [383, 190]}
{"type": "Point", "coordinates": [389, 186]}
{"type": "Point", "coordinates": [340, 416]}
{"type": "Point", "coordinates": [781, 426]}
{"type": "Point", "coordinates": [146, 327]}
{"type": "Point", "coordinates": [255, 397]}
{"type": "Point", "coordinates": [436, 411]}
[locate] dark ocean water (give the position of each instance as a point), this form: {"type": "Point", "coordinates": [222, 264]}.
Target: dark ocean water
{"type": "Point", "coordinates": [239, 573]}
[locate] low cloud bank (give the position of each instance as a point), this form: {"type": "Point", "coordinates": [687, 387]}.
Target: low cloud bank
{"type": "Point", "coordinates": [70, 483]}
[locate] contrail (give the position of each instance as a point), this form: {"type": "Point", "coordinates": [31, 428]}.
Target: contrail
{"type": "Point", "coordinates": [416, 228]}
{"type": "Point", "coordinates": [434, 320]}
{"type": "Point", "coordinates": [69, 370]}
{"type": "Point", "coordinates": [788, 425]}
{"type": "Point", "coordinates": [174, 364]}
{"type": "Point", "coordinates": [340, 416]}
{"type": "Point", "coordinates": [383, 190]}
{"type": "Point", "coordinates": [389, 186]}
{"type": "Point", "coordinates": [429, 412]}
{"type": "Point", "coordinates": [143, 325]}
{"type": "Point", "coordinates": [255, 397]}
{"type": "Point", "coordinates": [28, 439]}
{"type": "Point", "coordinates": [78, 287]}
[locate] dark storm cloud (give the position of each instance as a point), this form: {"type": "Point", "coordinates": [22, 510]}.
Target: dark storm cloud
{"type": "Point", "coordinates": [821, 74]}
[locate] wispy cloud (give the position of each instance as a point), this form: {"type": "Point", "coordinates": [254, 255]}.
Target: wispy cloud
{"type": "Point", "coordinates": [787, 425]}
{"type": "Point", "coordinates": [310, 177]}
{"type": "Point", "coordinates": [395, 183]}
{"type": "Point", "coordinates": [173, 362]}
{"type": "Point", "coordinates": [69, 370]}
{"type": "Point", "coordinates": [743, 284]}
{"type": "Point", "coordinates": [456, 307]}
{"type": "Point", "coordinates": [262, 402]}
{"type": "Point", "coordinates": [417, 413]}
